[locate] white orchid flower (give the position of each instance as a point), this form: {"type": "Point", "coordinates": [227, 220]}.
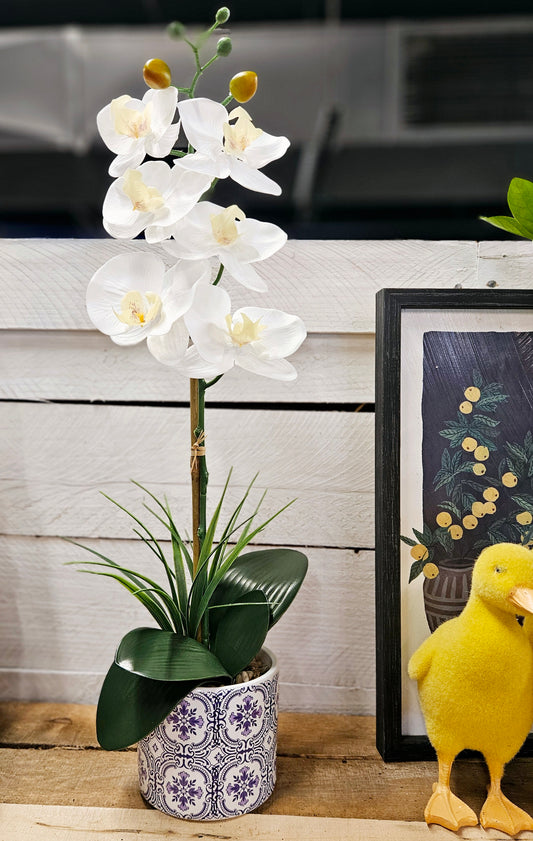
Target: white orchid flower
{"type": "Point", "coordinates": [151, 198]}
{"type": "Point", "coordinates": [133, 296]}
{"type": "Point", "coordinates": [253, 338]}
{"type": "Point", "coordinates": [229, 144]}
{"type": "Point", "coordinates": [132, 128]}
{"type": "Point", "coordinates": [210, 230]}
{"type": "Point", "coordinates": [173, 349]}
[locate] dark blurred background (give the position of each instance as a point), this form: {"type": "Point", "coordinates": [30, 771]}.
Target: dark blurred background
{"type": "Point", "coordinates": [407, 119]}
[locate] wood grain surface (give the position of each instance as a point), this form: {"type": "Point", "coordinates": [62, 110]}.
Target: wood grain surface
{"type": "Point", "coordinates": [328, 768]}
{"type": "Point", "coordinates": [63, 823]}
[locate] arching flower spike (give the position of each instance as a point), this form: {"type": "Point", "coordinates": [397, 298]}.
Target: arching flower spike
{"type": "Point", "coordinates": [132, 128]}
{"type": "Point", "coordinates": [229, 144]}
{"type": "Point", "coordinates": [210, 230]}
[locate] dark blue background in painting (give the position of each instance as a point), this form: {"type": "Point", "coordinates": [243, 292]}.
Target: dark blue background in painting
{"type": "Point", "coordinates": [449, 361]}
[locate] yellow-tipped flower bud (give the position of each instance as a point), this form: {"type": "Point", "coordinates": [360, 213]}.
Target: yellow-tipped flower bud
{"type": "Point", "coordinates": [222, 15]}
{"type": "Point", "coordinates": [176, 29]}
{"type": "Point", "coordinates": [243, 86]}
{"type": "Point", "coordinates": [156, 73]}
{"type": "Point", "coordinates": [224, 46]}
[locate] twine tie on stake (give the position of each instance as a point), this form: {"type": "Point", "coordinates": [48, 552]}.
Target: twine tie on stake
{"type": "Point", "coordinates": [197, 450]}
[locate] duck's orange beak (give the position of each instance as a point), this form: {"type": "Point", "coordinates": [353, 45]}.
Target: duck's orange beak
{"type": "Point", "coordinates": [522, 597]}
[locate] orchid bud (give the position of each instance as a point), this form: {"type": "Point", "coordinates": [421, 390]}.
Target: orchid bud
{"type": "Point", "coordinates": [222, 15]}
{"type": "Point", "coordinates": [243, 86]}
{"type": "Point", "coordinates": [156, 73]}
{"type": "Point", "coordinates": [224, 46]}
{"type": "Point", "coordinates": [175, 29]}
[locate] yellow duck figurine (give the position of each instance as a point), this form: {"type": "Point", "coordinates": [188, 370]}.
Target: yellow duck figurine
{"type": "Point", "coordinates": [475, 683]}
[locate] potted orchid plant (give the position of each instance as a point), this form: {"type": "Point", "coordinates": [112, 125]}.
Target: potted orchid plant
{"type": "Point", "coordinates": [197, 692]}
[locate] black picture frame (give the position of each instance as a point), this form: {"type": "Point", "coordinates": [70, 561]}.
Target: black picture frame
{"type": "Point", "coordinates": [391, 306]}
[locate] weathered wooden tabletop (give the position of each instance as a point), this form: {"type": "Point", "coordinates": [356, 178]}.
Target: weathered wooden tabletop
{"type": "Point", "coordinates": [56, 784]}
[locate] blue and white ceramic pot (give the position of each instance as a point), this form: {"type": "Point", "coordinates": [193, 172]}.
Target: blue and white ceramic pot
{"type": "Point", "coordinates": [214, 756]}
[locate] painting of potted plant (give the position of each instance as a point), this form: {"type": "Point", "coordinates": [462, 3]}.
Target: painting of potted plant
{"type": "Point", "coordinates": [477, 454]}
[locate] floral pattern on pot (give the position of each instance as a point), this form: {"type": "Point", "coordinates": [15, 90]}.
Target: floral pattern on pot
{"type": "Point", "coordinates": [186, 722]}
{"type": "Point", "coordinates": [242, 786]}
{"type": "Point", "coordinates": [214, 756]}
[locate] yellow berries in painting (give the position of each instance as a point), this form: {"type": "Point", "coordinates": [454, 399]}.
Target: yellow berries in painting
{"type": "Point", "coordinates": [491, 494]}
{"type": "Point", "coordinates": [431, 570]}
{"type": "Point", "coordinates": [509, 480]}
{"type": "Point", "coordinates": [524, 518]}
{"type": "Point", "coordinates": [478, 509]}
{"type": "Point", "coordinates": [470, 522]}
{"type": "Point", "coordinates": [489, 508]}
{"type": "Point", "coordinates": [419, 552]}
{"type": "Point", "coordinates": [455, 532]}
{"type": "Point", "coordinates": [479, 469]}
{"type": "Point", "coordinates": [465, 407]}
{"type": "Point", "coordinates": [243, 86]}
{"type": "Point", "coordinates": [444, 519]}
{"type": "Point", "coordinates": [472, 393]}
{"type": "Point", "coordinates": [469, 444]}
{"type": "Point", "coordinates": [481, 453]}
{"type": "Point", "coordinates": [156, 74]}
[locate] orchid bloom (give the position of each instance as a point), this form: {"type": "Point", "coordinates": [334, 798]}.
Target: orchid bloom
{"type": "Point", "coordinates": [229, 144]}
{"type": "Point", "coordinates": [151, 198]}
{"type": "Point", "coordinates": [253, 338]}
{"type": "Point", "coordinates": [133, 296]}
{"type": "Point", "coordinates": [210, 230]}
{"type": "Point", "coordinates": [133, 128]}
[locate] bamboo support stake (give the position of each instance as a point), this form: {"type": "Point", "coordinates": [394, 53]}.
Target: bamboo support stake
{"type": "Point", "coordinates": [195, 472]}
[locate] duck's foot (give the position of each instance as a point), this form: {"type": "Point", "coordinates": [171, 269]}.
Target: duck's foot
{"type": "Point", "coordinates": [499, 813]}
{"type": "Point", "coordinates": [445, 809]}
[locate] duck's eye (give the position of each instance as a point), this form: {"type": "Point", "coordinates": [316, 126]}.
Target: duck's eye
{"type": "Point", "coordinates": [497, 569]}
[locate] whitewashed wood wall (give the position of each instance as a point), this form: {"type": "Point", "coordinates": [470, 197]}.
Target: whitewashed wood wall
{"type": "Point", "coordinates": [58, 448]}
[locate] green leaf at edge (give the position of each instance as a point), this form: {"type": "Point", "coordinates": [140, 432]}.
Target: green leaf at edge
{"type": "Point", "coordinates": [520, 200]}
{"type": "Point", "coordinates": [507, 223]}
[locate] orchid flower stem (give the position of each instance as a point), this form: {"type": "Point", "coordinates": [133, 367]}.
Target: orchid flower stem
{"type": "Point", "coordinates": [219, 275]}
{"type": "Point", "coordinates": [227, 100]}
{"type": "Point", "coordinates": [213, 381]}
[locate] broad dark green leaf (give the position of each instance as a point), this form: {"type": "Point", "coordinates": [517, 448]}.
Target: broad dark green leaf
{"type": "Point", "coordinates": [163, 655]}
{"type": "Point", "coordinates": [241, 631]}
{"type": "Point", "coordinates": [520, 199]}
{"type": "Point", "coordinates": [506, 223]}
{"type": "Point", "coordinates": [278, 573]}
{"type": "Point", "coordinates": [130, 706]}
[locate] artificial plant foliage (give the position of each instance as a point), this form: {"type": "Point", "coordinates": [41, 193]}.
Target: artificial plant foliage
{"type": "Point", "coordinates": [214, 604]}
{"type": "Point", "coordinates": [131, 706]}
{"type": "Point", "coordinates": [278, 573]}
{"type": "Point", "coordinates": [241, 631]}
{"type": "Point", "coordinates": [164, 655]}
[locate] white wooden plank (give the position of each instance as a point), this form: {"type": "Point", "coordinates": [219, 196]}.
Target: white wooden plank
{"type": "Point", "coordinates": [78, 365]}
{"type": "Point", "coordinates": [330, 284]}
{"type": "Point", "coordinates": [90, 823]}
{"type": "Point", "coordinates": [55, 459]}
{"type": "Point", "coordinates": [504, 264]}
{"type": "Point", "coordinates": [49, 613]}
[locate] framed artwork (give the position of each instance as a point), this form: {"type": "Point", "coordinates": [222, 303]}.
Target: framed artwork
{"type": "Point", "coordinates": [454, 471]}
